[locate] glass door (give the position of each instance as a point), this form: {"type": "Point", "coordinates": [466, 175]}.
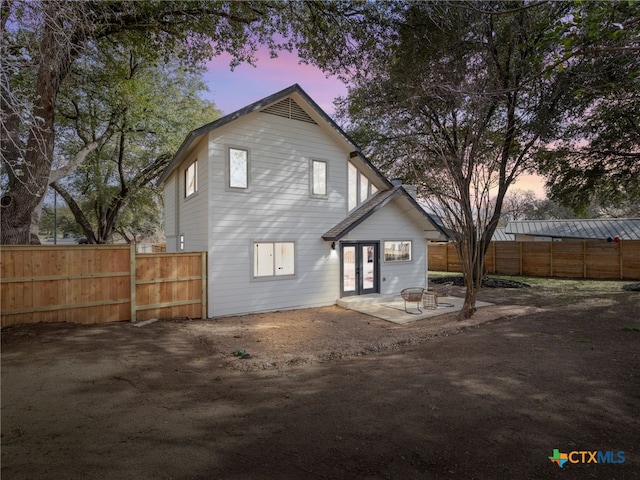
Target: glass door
{"type": "Point", "coordinates": [359, 268]}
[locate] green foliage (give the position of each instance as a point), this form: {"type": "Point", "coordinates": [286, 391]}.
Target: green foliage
{"type": "Point", "coordinates": [43, 41]}
{"type": "Point", "coordinates": [462, 97]}
{"type": "Point", "coordinates": [595, 156]}
{"type": "Point", "coordinates": [149, 108]}
{"type": "Point", "coordinates": [64, 219]}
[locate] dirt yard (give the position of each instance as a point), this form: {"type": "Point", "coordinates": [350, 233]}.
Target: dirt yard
{"type": "Point", "coordinates": [333, 394]}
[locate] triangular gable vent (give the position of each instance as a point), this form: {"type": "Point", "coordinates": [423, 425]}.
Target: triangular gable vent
{"type": "Point", "coordinates": [288, 108]}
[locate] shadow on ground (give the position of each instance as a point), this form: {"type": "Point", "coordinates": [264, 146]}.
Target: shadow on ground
{"type": "Point", "coordinates": [170, 401]}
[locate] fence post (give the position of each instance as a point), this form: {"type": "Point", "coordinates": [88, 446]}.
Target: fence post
{"type": "Point", "coordinates": [520, 258]}
{"type": "Point", "coordinates": [132, 280]}
{"type": "Point", "coordinates": [620, 258]}
{"type": "Point", "coordinates": [203, 274]}
{"type": "Point", "coordinates": [494, 257]}
{"type": "Point", "coordinates": [584, 259]}
{"type": "Point", "coordinates": [551, 257]}
{"type": "Point", "coordinates": [446, 257]}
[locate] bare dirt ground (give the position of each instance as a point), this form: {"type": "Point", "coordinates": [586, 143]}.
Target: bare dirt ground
{"type": "Point", "coordinates": [329, 393]}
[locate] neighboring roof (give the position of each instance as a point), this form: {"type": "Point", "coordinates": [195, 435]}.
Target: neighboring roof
{"type": "Point", "coordinates": [447, 233]}
{"type": "Point", "coordinates": [371, 206]}
{"type": "Point", "coordinates": [500, 235]}
{"type": "Point", "coordinates": [600, 229]}
{"type": "Point", "coordinates": [194, 135]}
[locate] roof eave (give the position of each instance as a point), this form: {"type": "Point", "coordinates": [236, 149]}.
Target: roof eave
{"type": "Point", "coordinates": [399, 191]}
{"type": "Point", "coordinates": [293, 89]}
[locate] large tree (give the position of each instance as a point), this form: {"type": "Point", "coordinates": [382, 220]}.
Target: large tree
{"type": "Point", "coordinates": [458, 97]}
{"type": "Point", "coordinates": [43, 39]}
{"type": "Point", "coordinates": [147, 108]}
{"type": "Point", "coordinates": [596, 157]}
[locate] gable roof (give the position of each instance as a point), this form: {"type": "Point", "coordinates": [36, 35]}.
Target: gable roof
{"type": "Point", "coordinates": [274, 104]}
{"type": "Point", "coordinates": [372, 205]}
{"type": "Point", "coordinates": [587, 229]}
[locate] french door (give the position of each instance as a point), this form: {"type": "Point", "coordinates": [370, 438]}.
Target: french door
{"type": "Point", "coordinates": [360, 268]}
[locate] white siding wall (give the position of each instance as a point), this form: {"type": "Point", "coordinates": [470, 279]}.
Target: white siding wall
{"type": "Point", "coordinates": [391, 223]}
{"type": "Point", "coordinates": [170, 211]}
{"type": "Point", "coordinates": [192, 211]}
{"type": "Point", "coordinates": [277, 207]}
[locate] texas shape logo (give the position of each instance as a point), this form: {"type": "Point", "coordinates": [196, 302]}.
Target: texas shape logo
{"type": "Point", "coordinates": [559, 458]}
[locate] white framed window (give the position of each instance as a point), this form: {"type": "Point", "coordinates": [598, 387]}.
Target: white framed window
{"type": "Point", "coordinates": [273, 259]}
{"type": "Point", "coordinates": [191, 179]}
{"type": "Point", "coordinates": [318, 175]}
{"type": "Point", "coordinates": [364, 188]}
{"type": "Point", "coordinates": [397, 250]}
{"type": "Point", "coordinates": [353, 186]}
{"type": "Point", "coordinates": [359, 187]}
{"type": "Point", "coordinates": [237, 168]}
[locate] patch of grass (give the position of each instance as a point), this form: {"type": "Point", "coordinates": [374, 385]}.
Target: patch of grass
{"type": "Point", "coordinates": [559, 285]}
{"type": "Point", "coordinates": [630, 329]}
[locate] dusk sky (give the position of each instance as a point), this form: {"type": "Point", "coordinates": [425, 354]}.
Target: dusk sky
{"type": "Point", "coordinates": [233, 90]}
{"type": "Point", "coordinates": [246, 84]}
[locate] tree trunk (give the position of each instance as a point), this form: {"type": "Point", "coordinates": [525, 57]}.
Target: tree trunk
{"type": "Point", "coordinates": [469, 305]}
{"type": "Point", "coordinates": [30, 176]}
{"type": "Point", "coordinates": [77, 213]}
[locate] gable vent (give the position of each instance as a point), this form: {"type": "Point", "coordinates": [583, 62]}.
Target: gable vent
{"type": "Point", "coordinates": [288, 108]}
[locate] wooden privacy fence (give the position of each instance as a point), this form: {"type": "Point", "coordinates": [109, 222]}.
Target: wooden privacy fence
{"type": "Point", "coordinates": [99, 284]}
{"type": "Point", "coordinates": [569, 259]}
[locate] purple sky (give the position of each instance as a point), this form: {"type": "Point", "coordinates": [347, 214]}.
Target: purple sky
{"type": "Point", "coordinates": [246, 84]}
{"type": "Point", "coordinates": [231, 91]}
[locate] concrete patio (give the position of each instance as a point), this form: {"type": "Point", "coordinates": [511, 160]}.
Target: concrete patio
{"type": "Point", "coordinates": [392, 307]}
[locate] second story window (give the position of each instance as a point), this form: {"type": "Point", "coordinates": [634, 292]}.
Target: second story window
{"type": "Point", "coordinates": [238, 168]}
{"type": "Point", "coordinates": [191, 179]}
{"type": "Point", "coordinates": [360, 187]}
{"type": "Point", "coordinates": [318, 178]}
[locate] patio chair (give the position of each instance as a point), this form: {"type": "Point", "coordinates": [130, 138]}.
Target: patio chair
{"type": "Point", "coordinates": [412, 294]}
{"type": "Point", "coordinates": [443, 290]}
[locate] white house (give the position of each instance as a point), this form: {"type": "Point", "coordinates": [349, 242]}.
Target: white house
{"type": "Point", "coordinates": [292, 215]}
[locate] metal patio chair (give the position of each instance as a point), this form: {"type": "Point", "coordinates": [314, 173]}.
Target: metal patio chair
{"type": "Point", "coordinates": [412, 294]}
